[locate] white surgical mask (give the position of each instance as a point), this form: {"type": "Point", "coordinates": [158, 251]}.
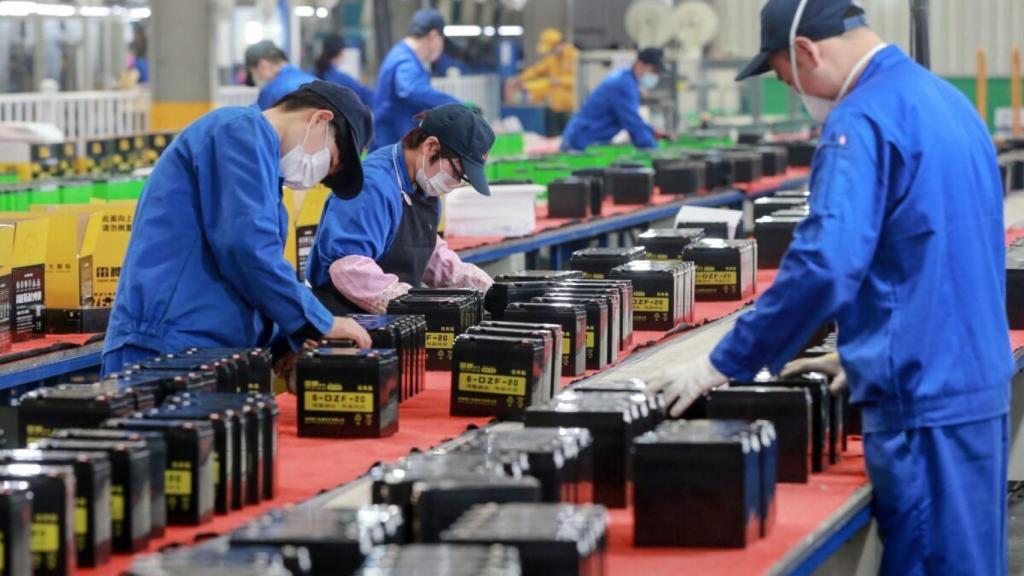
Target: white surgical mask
{"type": "Point", "coordinates": [301, 170]}
{"type": "Point", "coordinates": [437, 185]}
{"type": "Point", "coordinates": [649, 81]}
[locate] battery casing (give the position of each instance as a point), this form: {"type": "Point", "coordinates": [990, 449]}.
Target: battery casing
{"type": "Point", "coordinates": [573, 320]}
{"type": "Point", "coordinates": [259, 374]}
{"type": "Point", "coordinates": [45, 410]}
{"type": "Point", "coordinates": [557, 340]}
{"type": "Point", "coordinates": [504, 293]}
{"type": "Point", "coordinates": [15, 528]}
{"type": "Point", "coordinates": [1015, 285]}
{"type": "Point", "coordinates": [679, 176]}
{"type": "Point", "coordinates": [725, 269]}
{"type": "Point", "coordinates": [598, 326]}
{"type": "Point", "coordinates": [625, 288]}
{"type": "Point", "coordinates": [446, 318]}
{"type": "Point", "coordinates": [766, 206]}
{"type": "Point", "coordinates": [569, 198]}
{"type": "Point", "coordinates": [663, 292]}
{"type": "Point", "coordinates": [496, 375]}
{"type": "Point", "coordinates": [347, 393]}
{"type": "Point", "coordinates": [544, 338]}
{"type": "Point", "coordinates": [629, 185]}
{"type": "Point", "coordinates": [668, 243]}
{"type": "Point", "coordinates": [611, 297]}
{"type": "Point", "coordinates": [82, 320]}
{"type": "Point", "coordinates": [597, 263]}
{"type": "Point", "coordinates": [821, 412]}
{"type": "Point", "coordinates": [461, 560]}
{"type": "Point", "coordinates": [52, 537]}
{"type": "Point", "coordinates": [774, 234]}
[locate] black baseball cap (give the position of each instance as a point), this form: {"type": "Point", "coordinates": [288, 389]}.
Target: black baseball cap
{"type": "Point", "coordinates": [263, 50]}
{"type": "Point", "coordinates": [464, 131]}
{"type": "Point", "coordinates": [821, 19]}
{"type": "Point", "coordinates": [652, 57]}
{"type": "Point", "coordinates": [426, 20]}
{"type": "Point", "coordinates": [353, 123]}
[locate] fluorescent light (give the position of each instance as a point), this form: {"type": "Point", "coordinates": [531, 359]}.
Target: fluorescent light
{"type": "Point", "coordinates": [12, 8]}
{"type": "Point", "coordinates": [139, 13]}
{"type": "Point", "coordinates": [94, 11]}
{"type": "Point", "coordinates": [488, 30]}
{"type": "Point", "coordinates": [304, 11]}
{"type": "Point", "coordinates": [253, 32]}
{"type": "Point", "coordinates": [60, 10]}
{"type": "Point", "coordinates": [460, 30]}
{"type": "Point", "coordinates": [510, 30]}
{"type": "Point", "coordinates": [322, 12]}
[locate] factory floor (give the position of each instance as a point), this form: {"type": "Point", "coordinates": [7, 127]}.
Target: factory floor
{"type": "Point", "coordinates": [1016, 522]}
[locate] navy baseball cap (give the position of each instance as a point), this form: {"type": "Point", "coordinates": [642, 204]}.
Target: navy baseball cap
{"type": "Point", "coordinates": [821, 19]}
{"type": "Point", "coordinates": [652, 57]}
{"type": "Point", "coordinates": [464, 131]}
{"type": "Point", "coordinates": [426, 20]}
{"type": "Point", "coordinates": [353, 123]}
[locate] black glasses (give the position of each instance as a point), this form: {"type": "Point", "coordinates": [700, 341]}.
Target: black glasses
{"type": "Point", "coordinates": [452, 157]}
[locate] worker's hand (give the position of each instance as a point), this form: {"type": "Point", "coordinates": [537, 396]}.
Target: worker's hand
{"type": "Point", "coordinates": [347, 328]}
{"type": "Point", "coordinates": [682, 385]}
{"type": "Point", "coordinates": [829, 364]}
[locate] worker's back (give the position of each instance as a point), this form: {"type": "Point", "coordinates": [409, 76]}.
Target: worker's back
{"type": "Point", "coordinates": [611, 107]}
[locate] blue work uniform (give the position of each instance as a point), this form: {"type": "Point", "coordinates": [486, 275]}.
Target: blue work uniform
{"type": "Point", "coordinates": [403, 91]}
{"type": "Point", "coordinates": [391, 222]}
{"type": "Point", "coordinates": [205, 264]}
{"type": "Point", "coordinates": [288, 80]}
{"type": "Point", "coordinates": [904, 249]}
{"type": "Point", "coordinates": [613, 106]}
{"type": "Point", "coordinates": [338, 77]}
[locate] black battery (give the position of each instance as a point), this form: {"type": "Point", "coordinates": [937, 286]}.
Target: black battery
{"type": "Point", "coordinates": [651, 408]}
{"type": "Point", "coordinates": [663, 293]}
{"type": "Point", "coordinates": [718, 170]}
{"type": "Point", "coordinates": [788, 409]}
{"type": "Point", "coordinates": [629, 185]}
{"type": "Point", "coordinates": [595, 180]}
{"type": "Point", "coordinates": [67, 406]}
{"type": "Point", "coordinates": [625, 289]}
{"type": "Point", "coordinates": [503, 293]}
{"type": "Point", "coordinates": [676, 176]}
{"type": "Point", "coordinates": [766, 206]}
{"type": "Point", "coordinates": [143, 396]}
{"type": "Point", "coordinates": [725, 269]}
{"type": "Point", "coordinates": [1015, 287]}
{"type": "Point", "coordinates": [130, 521]}
{"type": "Point", "coordinates": [15, 528]}
{"type": "Point", "coordinates": [497, 376]}
{"type": "Point", "coordinates": [337, 539]}
{"type": "Point", "coordinates": [557, 340]}
{"type": "Point", "coordinates": [801, 152]}
{"type": "Point", "coordinates": [82, 320]}
{"type": "Point", "coordinates": [539, 275]}
{"type": "Point", "coordinates": [260, 365]}
{"type": "Point", "coordinates": [188, 479]}
{"type": "Point", "coordinates": [446, 317]}
{"type": "Point", "coordinates": [611, 298]}
{"type": "Point", "coordinates": [718, 230]}
{"type": "Point", "coordinates": [598, 326]}
{"type": "Point", "coordinates": [774, 235]}
{"type": "Point", "coordinates": [407, 336]}
{"type": "Point", "coordinates": [696, 485]}
{"type": "Point", "coordinates": [438, 502]}
{"type": "Point", "coordinates": [475, 296]}
{"type": "Point", "coordinates": [222, 371]}
{"type": "Point", "coordinates": [551, 376]}
{"type": "Point", "coordinates": [168, 382]}
{"type": "Point", "coordinates": [573, 320]}
{"type": "Point", "coordinates": [821, 412]}
{"type": "Point", "coordinates": [217, 557]}
{"type": "Point", "coordinates": [793, 193]}
{"type": "Point", "coordinates": [92, 497]}
{"type": "Point", "coordinates": [774, 159]}
{"type": "Point", "coordinates": [746, 166]}
{"type": "Point", "coordinates": [347, 393]}
{"type": "Point", "coordinates": [597, 263]}
{"type": "Point", "coordinates": [52, 537]}
{"type": "Point", "coordinates": [562, 459]}
{"type": "Point", "coordinates": [668, 243]}
{"type": "Point", "coordinates": [552, 539]}
{"type": "Point", "coordinates": [837, 427]}
{"type": "Point", "coordinates": [569, 198]}
{"type": "Point", "coordinates": [237, 364]}
{"type": "Point", "coordinates": [228, 464]}
{"type": "Point", "coordinates": [409, 560]}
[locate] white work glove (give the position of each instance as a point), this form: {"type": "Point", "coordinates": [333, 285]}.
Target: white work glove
{"type": "Point", "coordinates": [829, 364]}
{"type": "Point", "coordinates": [682, 385]}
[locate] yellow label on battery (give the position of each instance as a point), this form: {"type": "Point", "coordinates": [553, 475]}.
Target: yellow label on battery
{"type": "Point", "coordinates": [590, 337]}
{"type": "Point", "coordinates": [593, 275]}
{"type": "Point", "coordinates": [45, 533]}
{"type": "Point", "coordinates": [440, 340]}
{"type": "Point", "coordinates": [37, 432]}
{"type": "Point", "coordinates": [81, 516]}
{"type": "Point", "coordinates": [644, 304]}
{"type": "Point", "coordinates": [178, 482]}
{"type": "Point", "coordinates": [3, 550]}
{"type": "Point", "coordinates": [338, 401]}
{"type": "Point", "coordinates": [566, 346]}
{"type": "Point", "coordinates": [117, 507]}
{"type": "Point", "coordinates": [124, 145]}
{"type": "Point", "coordinates": [96, 148]}
{"type": "Point", "coordinates": [44, 152]}
{"type": "Point", "coordinates": [492, 384]}
{"type": "Point", "coordinates": [216, 469]}
{"type": "Point", "coordinates": [715, 278]}
{"type": "Point", "coordinates": [159, 141]}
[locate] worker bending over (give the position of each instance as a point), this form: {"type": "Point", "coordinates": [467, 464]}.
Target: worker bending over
{"type": "Point", "coordinates": [327, 68]}
{"type": "Point", "coordinates": [269, 69]}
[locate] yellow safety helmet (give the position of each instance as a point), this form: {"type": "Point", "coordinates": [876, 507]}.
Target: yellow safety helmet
{"type": "Point", "coordinates": [549, 38]}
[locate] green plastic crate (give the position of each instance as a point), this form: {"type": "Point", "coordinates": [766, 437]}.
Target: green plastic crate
{"type": "Point", "coordinates": [506, 145]}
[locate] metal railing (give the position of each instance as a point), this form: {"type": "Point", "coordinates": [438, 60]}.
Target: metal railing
{"type": "Point", "coordinates": [81, 115]}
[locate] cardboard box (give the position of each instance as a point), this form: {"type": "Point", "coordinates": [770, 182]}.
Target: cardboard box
{"type": "Point", "coordinates": [310, 205]}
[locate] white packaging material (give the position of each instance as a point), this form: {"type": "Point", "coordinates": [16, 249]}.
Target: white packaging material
{"type": "Point", "coordinates": [701, 214]}
{"type": "Point", "coordinates": [509, 211]}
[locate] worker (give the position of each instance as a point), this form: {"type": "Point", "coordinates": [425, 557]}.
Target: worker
{"type": "Point", "coordinates": [615, 105]}
{"type": "Point", "coordinates": [904, 249]}
{"type": "Point", "coordinates": [376, 247]}
{"type": "Point", "coordinates": [552, 79]}
{"type": "Point", "coordinates": [205, 265]}
{"type": "Point", "coordinates": [327, 68]}
{"type": "Point", "coordinates": [403, 82]}
{"type": "Point", "coordinates": [269, 69]}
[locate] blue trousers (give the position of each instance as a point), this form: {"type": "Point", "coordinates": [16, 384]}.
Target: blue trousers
{"type": "Point", "coordinates": [940, 498]}
{"type": "Point", "coordinates": [115, 360]}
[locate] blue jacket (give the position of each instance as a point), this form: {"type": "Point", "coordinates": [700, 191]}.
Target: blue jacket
{"type": "Point", "coordinates": [338, 77]}
{"type": "Point", "coordinates": [367, 224]}
{"type": "Point", "coordinates": [614, 105]}
{"type": "Point", "coordinates": [288, 80]}
{"type": "Point", "coordinates": [904, 248]}
{"type": "Point", "coordinates": [205, 265]}
{"type": "Point", "coordinates": [403, 91]}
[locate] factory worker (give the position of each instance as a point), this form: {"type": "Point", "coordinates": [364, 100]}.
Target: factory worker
{"type": "Point", "coordinates": [552, 79]}
{"type": "Point", "coordinates": [904, 249]}
{"type": "Point", "coordinates": [403, 82]}
{"type": "Point", "coordinates": [269, 69]}
{"type": "Point", "coordinates": [327, 68]}
{"type": "Point", "coordinates": [615, 105]}
{"type": "Point", "coordinates": [374, 248]}
{"type": "Point", "coordinates": [205, 264]}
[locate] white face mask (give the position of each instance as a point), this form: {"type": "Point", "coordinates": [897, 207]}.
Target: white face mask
{"type": "Point", "coordinates": [437, 185]}
{"type": "Point", "coordinates": [301, 170]}
{"type": "Point", "coordinates": [649, 81]}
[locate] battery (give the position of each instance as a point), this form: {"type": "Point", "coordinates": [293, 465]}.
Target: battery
{"type": "Point", "coordinates": [557, 340]}
{"type": "Point", "coordinates": [696, 485]}
{"type": "Point", "coordinates": [551, 376]}
{"type": "Point", "coordinates": [222, 371]}
{"type": "Point", "coordinates": [668, 243]}
{"type": "Point", "coordinates": [216, 557]}
{"type": "Point", "coordinates": [237, 363]}
{"type": "Point", "coordinates": [407, 336]}
{"type": "Point", "coordinates": [725, 269]}
{"type": "Point", "coordinates": [611, 298]}
{"type": "Point", "coordinates": [718, 170]}
{"type": "Point", "coordinates": [573, 320]}
{"type": "Point", "coordinates": [711, 229]}
{"type": "Point", "coordinates": [143, 396]}
{"type": "Point", "coordinates": [52, 538]}
{"type": "Point", "coordinates": [821, 412]}
{"type": "Point", "coordinates": [625, 289]}
{"type": "Point", "coordinates": [92, 497]}
{"type": "Point", "coordinates": [410, 560]}
{"type": "Point", "coordinates": [746, 166]}
{"type": "Point", "coordinates": [663, 293]}
{"type": "Point", "coordinates": [629, 185]}
{"type": "Point", "coordinates": [259, 365]}
{"type": "Point", "coordinates": [597, 263]}
{"type": "Point", "coordinates": [539, 275]}
{"type": "Point", "coordinates": [562, 459]}
{"type": "Point", "coordinates": [594, 177]}
{"type": "Point", "coordinates": [677, 176]}
{"type": "Point", "coordinates": [15, 528]}
{"type": "Point", "coordinates": [598, 324]}
{"type": "Point", "coordinates": [67, 406]}
{"type": "Point", "coordinates": [446, 318]}
{"type": "Point", "coordinates": [774, 159]}
{"type": "Point", "coordinates": [188, 479]}
{"type": "Point", "coordinates": [475, 296]}
{"type": "Point", "coordinates": [801, 152]}
{"type": "Point", "coordinates": [1015, 286]}
{"type": "Point", "coordinates": [766, 206]}
{"type": "Point", "coordinates": [438, 502]}
{"type": "Point", "coordinates": [347, 393]}
{"type": "Point", "coordinates": [82, 320]}
{"type": "Point", "coordinates": [552, 539]}
{"type": "Point", "coordinates": [788, 409]}
{"type": "Point", "coordinates": [774, 235]}
{"type": "Point", "coordinates": [167, 382]}
{"type": "Point", "coordinates": [129, 486]}
{"type": "Point", "coordinates": [496, 375]}
{"type": "Point", "coordinates": [503, 293]}
{"type": "Point", "coordinates": [569, 198]}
